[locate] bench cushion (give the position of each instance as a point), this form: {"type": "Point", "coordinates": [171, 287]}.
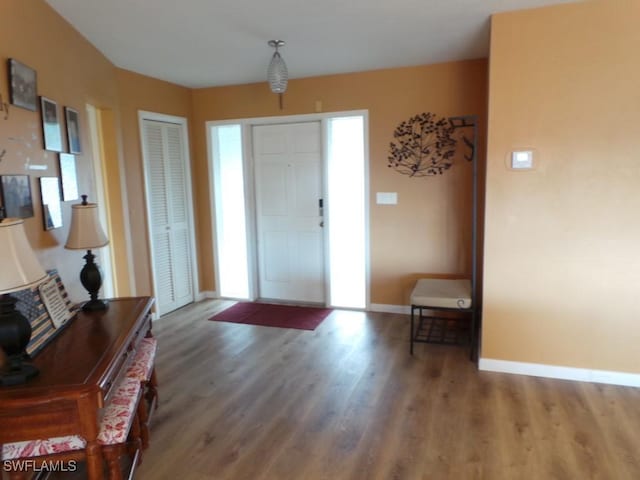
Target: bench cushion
{"type": "Point", "coordinates": [442, 293]}
{"type": "Point", "coordinates": [36, 448]}
{"type": "Point", "coordinates": [143, 362]}
{"type": "Point", "coordinates": [118, 415]}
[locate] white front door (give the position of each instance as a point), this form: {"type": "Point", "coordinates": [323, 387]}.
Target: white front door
{"type": "Point", "coordinates": [288, 176]}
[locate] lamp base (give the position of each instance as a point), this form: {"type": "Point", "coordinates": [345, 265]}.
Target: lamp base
{"type": "Point", "coordinates": [92, 280]}
{"type": "Point", "coordinates": [15, 333]}
{"type": "Point", "coordinates": [19, 375]}
{"type": "Point", "coordinates": [95, 305]}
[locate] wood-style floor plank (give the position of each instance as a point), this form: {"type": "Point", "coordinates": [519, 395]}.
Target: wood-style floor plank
{"type": "Point", "coordinates": [348, 402]}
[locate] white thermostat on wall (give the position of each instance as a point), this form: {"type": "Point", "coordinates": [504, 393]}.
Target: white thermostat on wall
{"type": "Point", "coordinates": [522, 159]}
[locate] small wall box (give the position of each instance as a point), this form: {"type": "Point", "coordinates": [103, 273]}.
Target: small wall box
{"type": "Point", "coordinates": [387, 198]}
{"type": "Point", "coordinates": [522, 159]}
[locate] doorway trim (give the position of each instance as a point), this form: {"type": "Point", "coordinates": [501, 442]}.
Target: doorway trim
{"type": "Point", "coordinates": [104, 212]}
{"type": "Point", "coordinates": [182, 121]}
{"type": "Point", "coordinates": [247, 161]}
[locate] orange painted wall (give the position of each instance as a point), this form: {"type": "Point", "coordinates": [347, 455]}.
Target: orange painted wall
{"type": "Point", "coordinates": [432, 214]}
{"type": "Point", "coordinates": [73, 73]}
{"type": "Point", "coordinates": [138, 92]}
{"type": "Point", "coordinates": [562, 268]}
{"type": "Point", "coordinates": [429, 230]}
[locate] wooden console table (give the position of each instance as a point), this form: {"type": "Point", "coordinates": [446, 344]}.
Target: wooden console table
{"type": "Point", "coordinates": [77, 369]}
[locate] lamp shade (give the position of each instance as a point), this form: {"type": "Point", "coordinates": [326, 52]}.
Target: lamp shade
{"type": "Point", "coordinates": [277, 73]}
{"type": "Point", "coordinates": [19, 267]}
{"type": "Point", "coordinates": [85, 232]}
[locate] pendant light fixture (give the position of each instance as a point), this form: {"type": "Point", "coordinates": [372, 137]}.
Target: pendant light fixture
{"type": "Point", "coordinates": [277, 74]}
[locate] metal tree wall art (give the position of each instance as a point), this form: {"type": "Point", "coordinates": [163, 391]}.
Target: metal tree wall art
{"type": "Point", "coordinates": [423, 146]}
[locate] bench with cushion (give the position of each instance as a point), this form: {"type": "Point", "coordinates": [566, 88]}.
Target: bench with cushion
{"type": "Point", "coordinates": [119, 433]}
{"type": "Point", "coordinates": [142, 370]}
{"type": "Point", "coordinates": [438, 303]}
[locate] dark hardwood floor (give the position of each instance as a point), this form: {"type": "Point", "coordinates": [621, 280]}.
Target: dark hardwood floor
{"type": "Point", "coordinates": [348, 402]}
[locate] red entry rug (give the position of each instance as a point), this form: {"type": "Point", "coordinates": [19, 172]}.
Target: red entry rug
{"type": "Point", "coordinates": [269, 315]}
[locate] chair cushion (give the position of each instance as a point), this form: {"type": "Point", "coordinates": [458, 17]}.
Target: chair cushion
{"type": "Point", "coordinates": [144, 360]}
{"type": "Point", "coordinates": [114, 427]}
{"type": "Point", "coordinates": [442, 293]}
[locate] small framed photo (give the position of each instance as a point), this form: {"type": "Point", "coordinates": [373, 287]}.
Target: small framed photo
{"type": "Point", "coordinates": [23, 90]}
{"type": "Point", "coordinates": [73, 130]}
{"type": "Point", "coordinates": [68, 177]}
{"type": "Point", "coordinates": [16, 196]}
{"type": "Point", "coordinates": [51, 205]}
{"type": "Point", "coordinates": [50, 125]}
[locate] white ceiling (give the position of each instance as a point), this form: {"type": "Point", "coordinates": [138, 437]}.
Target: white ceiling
{"type": "Point", "coordinates": [202, 43]}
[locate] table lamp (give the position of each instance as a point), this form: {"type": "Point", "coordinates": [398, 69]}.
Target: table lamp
{"type": "Point", "coordinates": [20, 269]}
{"type": "Point", "coordinates": [86, 233]}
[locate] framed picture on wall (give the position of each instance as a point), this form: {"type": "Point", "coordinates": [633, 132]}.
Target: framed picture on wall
{"type": "Point", "coordinates": [50, 125]}
{"type": "Point", "coordinates": [16, 196]}
{"type": "Point", "coordinates": [23, 90]}
{"type": "Point", "coordinates": [68, 177]}
{"type": "Point", "coordinates": [73, 130]}
{"type": "Point", "coordinates": [51, 205]}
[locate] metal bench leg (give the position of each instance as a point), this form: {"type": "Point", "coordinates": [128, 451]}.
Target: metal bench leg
{"type": "Point", "coordinates": [411, 331]}
{"type": "Point", "coordinates": [473, 340]}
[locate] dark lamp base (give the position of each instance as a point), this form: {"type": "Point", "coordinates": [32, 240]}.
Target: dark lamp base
{"type": "Point", "coordinates": [95, 305]}
{"type": "Point", "coordinates": [19, 375]}
{"type": "Point", "coordinates": [15, 333]}
{"type": "Point", "coordinates": [92, 280]}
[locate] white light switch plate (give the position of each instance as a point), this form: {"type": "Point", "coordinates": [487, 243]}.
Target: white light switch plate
{"type": "Point", "coordinates": [522, 159]}
{"type": "Point", "coordinates": [387, 198]}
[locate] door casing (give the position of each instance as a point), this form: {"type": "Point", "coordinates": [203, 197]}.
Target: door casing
{"type": "Point", "coordinates": [247, 147]}
{"type": "Point", "coordinates": [142, 116]}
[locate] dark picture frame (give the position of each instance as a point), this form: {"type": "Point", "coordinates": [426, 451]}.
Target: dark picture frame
{"type": "Point", "coordinates": [73, 129]}
{"type": "Point", "coordinates": [50, 125]}
{"type": "Point", "coordinates": [68, 177]}
{"type": "Point", "coordinates": [16, 196]}
{"type": "Point", "coordinates": [23, 85]}
{"type": "Point", "coordinates": [51, 205]}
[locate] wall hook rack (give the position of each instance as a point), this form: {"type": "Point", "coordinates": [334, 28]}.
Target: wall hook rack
{"type": "Point", "coordinates": [4, 107]}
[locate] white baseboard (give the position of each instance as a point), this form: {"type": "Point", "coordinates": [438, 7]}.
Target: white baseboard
{"type": "Point", "coordinates": [565, 373]}
{"type": "Point", "coordinates": [197, 298]}
{"type": "Point", "coordinates": [381, 307]}
{"type": "Point", "coordinates": [206, 294]}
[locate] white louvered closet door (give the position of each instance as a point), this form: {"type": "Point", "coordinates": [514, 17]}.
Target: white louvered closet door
{"type": "Point", "coordinates": [167, 197]}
